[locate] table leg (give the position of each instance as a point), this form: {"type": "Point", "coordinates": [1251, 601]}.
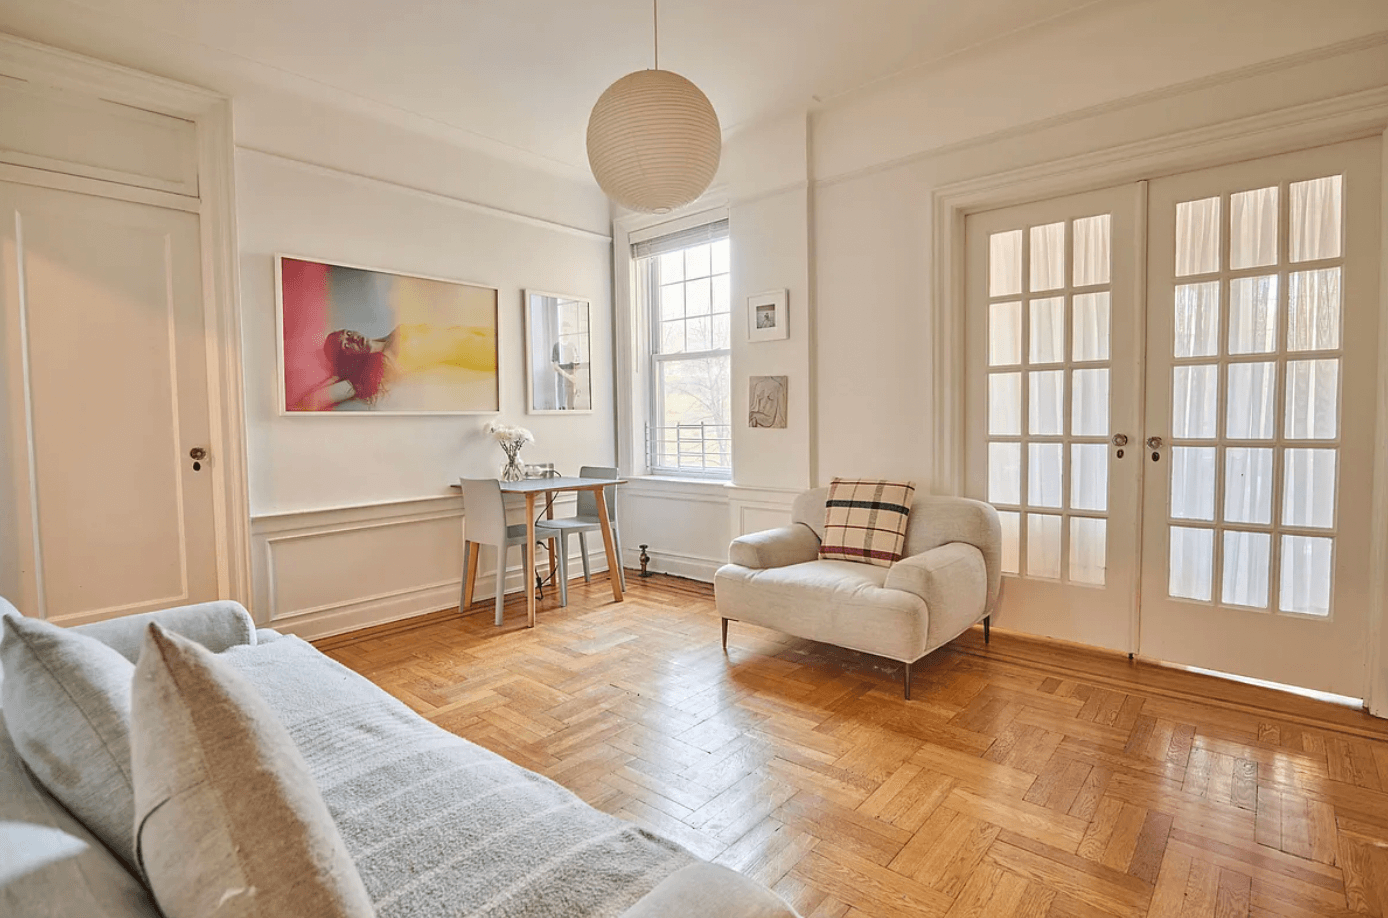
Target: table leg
{"type": "Point", "coordinates": [474, 554]}
{"type": "Point", "coordinates": [530, 557]}
{"type": "Point", "coordinates": [614, 563]}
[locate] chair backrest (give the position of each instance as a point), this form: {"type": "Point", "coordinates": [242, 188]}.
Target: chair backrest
{"type": "Point", "coordinates": [587, 503]}
{"type": "Point", "coordinates": [483, 512]}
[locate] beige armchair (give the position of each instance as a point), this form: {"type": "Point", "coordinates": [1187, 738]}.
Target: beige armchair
{"type": "Point", "coordinates": [947, 581]}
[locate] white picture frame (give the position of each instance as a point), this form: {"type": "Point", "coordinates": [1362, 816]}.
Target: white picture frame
{"type": "Point", "coordinates": [768, 318]}
{"type": "Point", "coordinates": [558, 353]}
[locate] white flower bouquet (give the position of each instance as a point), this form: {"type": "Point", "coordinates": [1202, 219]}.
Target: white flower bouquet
{"type": "Point", "coordinates": [511, 439]}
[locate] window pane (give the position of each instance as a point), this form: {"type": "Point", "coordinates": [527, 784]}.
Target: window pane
{"type": "Point", "coordinates": [698, 297]}
{"type": "Point", "coordinates": [1197, 320]}
{"type": "Point", "coordinates": [695, 391]}
{"type": "Point", "coordinates": [1253, 315]}
{"type": "Point", "coordinates": [1313, 310]}
{"type": "Point", "coordinates": [719, 256]}
{"type": "Point", "coordinates": [697, 261]}
{"type": "Point", "coordinates": [1089, 476]}
{"type": "Point", "coordinates": [672, 337]}
{"type": "Point", "coordinates": [1308, 488]}
{"type": "Point", "coordinates": [1192, 482]}
{"type": "Point", "coordinates": [1252, 392]}
{"type": "Point", "coordinates": [1197, 237]}
{"type": "Point", "coordinates": [1005, 263]}
{"type": "Point", "coordinates": [1048, 257]}
{"type": "Point", "coordinates": [1005, 473]}
{"type": "Point", "coordinates": [1048, 330]}
{"type": "Point", "coordinates": [1005, 404]}
{"type": "Point", "coordinates": [1046, 402]}
{"type": "Point", "coordinates": [1248, 485]}
{"type": "Point", "coordinates": [720, 331]}
{"type": "Point", "coordinates": [1043, 546]}
{"type": "Point", "coordinates": [1089, 414]}
{"type": "Point", "coordinates": [1005, 334]}
{"type": "Point", "coordinates": [1194, 397]}
{"type": "Point", "coordinates": [672, 301]}
{"type": "Point", "coordinates": [1091, 250]}
{"type": "Point", "coordinates": [721, 300]}
{"type": "Point", "coordinates": [1044, 474]}
{"type": "Point", "coordinates": [671, 266]}
{"type": "Point", "coordinates": [1246, 559]}
{"type": "Point", "coordinates": [1316, 216]}
{"type": "Point", "coordinates": [1253, 228]}
{"type": "Point", "coordinates": [1306, 570]}
{"type": "Point", "coordinates": [1011, 540]}
{"type": "Point", "coordinates": [1091, 330]}
{"type": "Point", "coordinates": [1088, 550]}
{"type": "Point", "coordinates": [1312, 399]}
{"type": "Point", "coordinates": [698, 334]}
{"type": "Point", "coordinates": [1191, 573]}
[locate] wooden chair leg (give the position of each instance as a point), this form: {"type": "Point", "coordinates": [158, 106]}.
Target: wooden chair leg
{"type": "Point", "coordinates": [725, 635]}
{"type": "Point", "coordinates": [986, 623]}
{"type": "Point", "coordinates": [907, 681]}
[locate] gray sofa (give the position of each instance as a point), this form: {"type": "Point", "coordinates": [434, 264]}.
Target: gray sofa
{"type": "Point", "coordinates": [436, 826]}
{"type": "Point", "coordinates": [947, 580]}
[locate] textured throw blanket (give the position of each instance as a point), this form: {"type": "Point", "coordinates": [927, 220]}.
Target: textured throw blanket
{"type": "Point", "coordinates": [439, 826]}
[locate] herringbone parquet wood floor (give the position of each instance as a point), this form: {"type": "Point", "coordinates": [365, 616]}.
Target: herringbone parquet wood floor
{"type": "Point", "coordinates": [1024, 779]}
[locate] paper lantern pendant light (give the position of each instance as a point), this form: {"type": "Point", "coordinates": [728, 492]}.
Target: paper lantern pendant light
{"type": "Point", "coordinates": [654, 141]}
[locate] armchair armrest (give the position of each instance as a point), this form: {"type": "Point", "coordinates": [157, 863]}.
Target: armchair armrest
{"type": "Point", "coordinates": [937, 521]}
{"type": "Point", "coordinates": [953, 581]}
{"type": "Point", "coordinates": [775, 547]}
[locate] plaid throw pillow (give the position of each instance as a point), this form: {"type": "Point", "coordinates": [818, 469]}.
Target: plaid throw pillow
{"type": "Point", "coordinates": [866, 520]}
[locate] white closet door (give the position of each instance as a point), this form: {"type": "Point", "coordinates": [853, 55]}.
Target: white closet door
{"type": "Point", "coordinates": [102, 512]}
{"type": "Point", "coordinates": [1052, 391]}
{"type": "Point", "coordinates": [1261, 360]}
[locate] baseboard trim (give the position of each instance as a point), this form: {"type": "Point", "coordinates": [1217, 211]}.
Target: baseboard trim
{"type": "Point", "coordinates": [691, 567]}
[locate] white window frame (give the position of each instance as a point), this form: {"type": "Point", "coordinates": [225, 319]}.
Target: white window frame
{"type": "Point", "coordinates": [634, 348]}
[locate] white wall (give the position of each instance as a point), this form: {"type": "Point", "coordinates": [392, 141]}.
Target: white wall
{"type": "Point", "coordinates": [353, 521]}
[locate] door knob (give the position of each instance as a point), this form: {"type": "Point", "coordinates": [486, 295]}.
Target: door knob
{"type": "Point", "coordinates": [1120, 439]}
{"type": "Point", "coordinates": [197, 454]}
{"type": "Point", "coordinates": [1154, 442]}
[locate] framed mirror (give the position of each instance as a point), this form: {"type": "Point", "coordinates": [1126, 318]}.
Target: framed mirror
{"type": "Point", "coordinates": [558, 354]}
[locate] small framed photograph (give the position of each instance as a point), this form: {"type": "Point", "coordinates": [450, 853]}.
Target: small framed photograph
{"type": "Point", "coordinates": [558, 377]}
{"type": "Point", "coordinates": [767, 318]}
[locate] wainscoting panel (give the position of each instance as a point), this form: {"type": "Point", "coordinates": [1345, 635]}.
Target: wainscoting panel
{"type": "Point", "coordinates": [685, 523]}
{"type": "Point", "coordinates": [755, 509]}
{"type": "Point", "coordinates": [324, 572]}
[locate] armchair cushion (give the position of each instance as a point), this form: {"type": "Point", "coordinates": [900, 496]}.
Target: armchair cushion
{"type": "Point", "coordinates": [953, 581]}
{"type": "Point", "coordinates": [781, 547]}
{"type": "Point", "coordinates": [865, 520]}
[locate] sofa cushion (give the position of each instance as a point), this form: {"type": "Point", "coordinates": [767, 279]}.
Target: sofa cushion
{"type": "Point", "coordinates": [439, 826]}
{"type": "Point", "coordinates": [865, 520]}
{"type": "Point", "coordinates": [51, 866]}
{"type": "Point", "coordinates": [66, 698]}
{"type": "Point", "coordinates": [225, 806]}
{"type": "Point", "coordinates": [215, 625]}
{"type": "Point", "coordinates": [837, 602]}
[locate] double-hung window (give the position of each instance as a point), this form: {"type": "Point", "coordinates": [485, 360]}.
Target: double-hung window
{"type": "Point", "coordinates": [683, 287]}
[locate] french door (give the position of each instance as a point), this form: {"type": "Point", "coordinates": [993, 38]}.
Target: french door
{"type": "Point", "coordinates": [1229, 426]}
{"type": "Point", "coordinates": [1262, 339]}
{"type": "Point", "coordinates": [1053, 287]}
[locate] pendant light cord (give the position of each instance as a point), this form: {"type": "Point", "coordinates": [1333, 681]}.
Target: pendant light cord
{"type": "Point", "coordinates": [655, 30]}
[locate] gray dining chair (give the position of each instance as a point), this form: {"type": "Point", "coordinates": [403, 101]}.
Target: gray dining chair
{"type": "Point", "coordinates": [484, 523]}
{"type": "Point", "coordinates": [583, 522]}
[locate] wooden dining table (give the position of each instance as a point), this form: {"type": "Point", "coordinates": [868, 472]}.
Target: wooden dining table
{"type": "Point", "coordinates": [531, 489]}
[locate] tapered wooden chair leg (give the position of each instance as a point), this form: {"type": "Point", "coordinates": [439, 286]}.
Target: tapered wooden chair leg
{"type": "Point", "coordinates": [725, 635]}
{"type": "Point", "coordinates": [986, 623]}
{"type": "Point", "coordinates": [907, 681]}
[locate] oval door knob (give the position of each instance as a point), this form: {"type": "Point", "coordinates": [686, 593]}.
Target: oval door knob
{"type": "Point", "coordinates": [1120, 439]}
{"type": "Point", "coordinates": [197, 454]}
{"type": "Point", "coordinates": [1154, 442]}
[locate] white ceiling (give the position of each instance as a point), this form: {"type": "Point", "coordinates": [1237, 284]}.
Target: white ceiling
{"type": "Point", "coordinates": [525, 73]}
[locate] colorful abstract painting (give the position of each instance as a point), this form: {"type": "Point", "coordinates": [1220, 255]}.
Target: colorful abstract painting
{"type": "Point", "coordinates": [353, 339]}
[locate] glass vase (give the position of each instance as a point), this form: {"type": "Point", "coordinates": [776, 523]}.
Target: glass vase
{"type": "Point", "coordinates": [513, 470]}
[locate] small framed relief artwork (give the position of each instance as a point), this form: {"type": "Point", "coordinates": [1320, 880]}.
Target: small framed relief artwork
{"type": "Point", "coordinates": [766, 401]}
{"type": "Point", "coordinates": [766, 316]}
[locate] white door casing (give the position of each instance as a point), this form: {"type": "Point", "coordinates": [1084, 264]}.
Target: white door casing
{"type": "Point", "coordinates": [105, 394]}
{"type": "Point", "coordinates": [1261, 367]}
{"type": "Point", "coordinates": [1051, 343]}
